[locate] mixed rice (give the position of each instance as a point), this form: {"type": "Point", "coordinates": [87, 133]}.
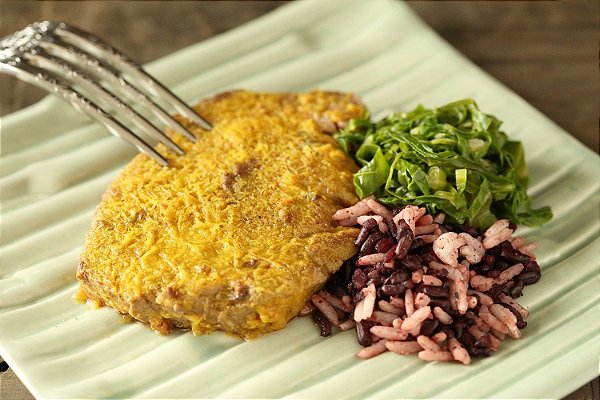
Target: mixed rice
{"type": "Point", "coordinates": [418, 285]}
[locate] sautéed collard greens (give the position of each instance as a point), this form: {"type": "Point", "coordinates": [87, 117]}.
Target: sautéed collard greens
{"type": "Point", "coordinates": [452, 159]}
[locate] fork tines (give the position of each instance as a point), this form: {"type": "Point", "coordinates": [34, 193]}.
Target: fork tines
{"type": "Point", "coordinates": [96, 79]}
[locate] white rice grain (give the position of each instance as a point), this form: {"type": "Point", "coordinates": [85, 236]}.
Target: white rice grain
{"type": "Point", "coordinates": [479, 322]}
{"type": "Point", "coordinates": [335, 301]}
{"type": "Point", "coordinates": [453, 295]}
{"type": "Point", "coordinates": [459, 353]}
{"type": "Point", "coordinates": [373, 350]}
{"type": "Point", "coordinates": [507, 318]}
{"type": "Point", "coordinates": [380, 209]}
{"type": "Point", "coordinates": [442, 316]}
{"type": "Point", "coordinates": [364, 218]}
{"type": "Point", "coordinates": [517, 242]}
{"type": "Point", "coordinates": [410, 214]}
{"type": "Point", "coordinates": [491, 320]}
{"type": "Point", "coordinates": [446, 247]}
{"type": "Point", "coordinates": [403, 348]}
{"type": "Point", "coordinates": [371, 259]}
{"type": "Point", "coordinates": [425, 220]}
{"type": "Point", "coordinates": [326, 308]}
{"type": "Point", "coordinates": [463, 268]}
{"type": "Point", "coordinates": [453, 273]}
{"type": "Point", "coordinates": [512, 302]}
{"type": "Point", "coordinates": [383, 227]}
{"type": "Point", "coordinates": [499, 335]}
{"type": "Point", "coordinates": [472, 301]}
{"type": "Point", "coordinates": [364, 308]}
{"type": "Point", "coordinates": [473, 250]}
{"type": "Point", "coordinates": [494, 342]}
{"type": "Point", "coordinates": [425, 229]}
{"type": "Point", "coordinates": [428, 344]}
{"type": "Point", "coordinates": [382, 317]}
{"type": "Point", "coordinates": [429, 238]}
{"type": "Point", "coordinates": [389, 307]}
{"type": "Point", "coordinates": [416, 319]}
{"type": "Point", "coordinates": [347, 325]}
{"type": "Point", "coordinates": [389, 332]}
{"type": "Point", "coordinates": [439, 337]}
{"type": "Point", "coordinates": [509, 273]}
{"type": "Point", "coordinates": [460, 289]}
{"type": "Point", "coordinates": [427, 355]}
{"type": "Point", "coordinates": [482, 283]}
{"type": "Point", "coordinates": [483, 298]}
{"type": "Point", "coordinates": [348, 216]}
{"type": "Point", "coordinates": [421, 300]}
{"type": "Point", "coordinates": [439, 219]}
{"type": "Point", "coordinates": [409, 302]}
{"type": "Point", "coordinates": [306, 310]}
{"type": "Point", "coordinates": [497, 233]}
{"type": "Point", "coordinates": [528, 249]}
{"type": "Point", "coordinates": [398, 302]}
{"type": "Point", "coordinates": [476, 332]}
{"type": "Point", "coordinates": [431, 280]}
{"type": "Point", "coordinates": [417, 276]}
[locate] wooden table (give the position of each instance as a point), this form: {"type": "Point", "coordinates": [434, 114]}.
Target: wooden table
{"type": "Point", "coordinates": [547, 52]}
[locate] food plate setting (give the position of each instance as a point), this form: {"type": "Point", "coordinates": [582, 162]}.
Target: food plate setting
{"type": "Point", "coordinates": [57, 163]}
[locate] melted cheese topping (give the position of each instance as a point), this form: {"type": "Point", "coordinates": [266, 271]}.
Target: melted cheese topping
{"type": "Point", "coordinates": [237, 233]}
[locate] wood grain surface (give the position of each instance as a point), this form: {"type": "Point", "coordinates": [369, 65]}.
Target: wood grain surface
{"type": "Point", "coordinates": [547, 52]}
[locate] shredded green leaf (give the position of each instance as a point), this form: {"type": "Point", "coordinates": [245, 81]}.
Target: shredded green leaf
{"type": "Point", "coordinates": [452, 159]}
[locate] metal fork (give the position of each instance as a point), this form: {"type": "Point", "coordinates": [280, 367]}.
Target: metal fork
{"type": "Point", "coordinates": [86, 71]}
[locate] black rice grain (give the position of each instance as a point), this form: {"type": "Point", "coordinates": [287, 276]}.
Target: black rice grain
{"type": "Point", "coordinates": [501, 265]}
{"type": "Point", "coordinates": [515, 256]}
{"type": "Point", "coordinates": [404, 242]}
{"type": "Point", "coordinates": [322, 322]}
{"type": "Point", "coordinates": [374, 273]}
{"type": "Point", "coordinates": [377, 281]}
{"type": "Point", "coordinates": [529, 277]}
{"type": "Point", "coordinates": [418, 243]}
{"type": "Point", "coordinates": [428, 255]}
{"type": "Point", "coordinates": [368, 246]}
{"type": "Point", "coordinates": [488, 260]}
{"type": "Point", "coordinates": [397, 277]}
{"type": "Point", "coordinates": [363, 332]}
{"type": "Point", "coordinates": [444, 304]}
{"type": "Point", "coordinates": [392, 228]}
{"type": "Point", "coordinates": [365, 231]}
{"type": "Point", "coordinates": [429, 326]}
{"type": "Point", "coordinates": [494, 273]}
{"type": "Point", "coordinates": [408, 284]}
{"type": "Point", "coordinates": [384, 245]}
{"type": "Point", "coordinates": [435, 291]}
{"type": "Point", "coordinates": [471, 231]}
{"type": "Point", "coordinates": [460, 327]}
{"type": "Point", "coordinates": [413, 262]}
{"type": "Point", "coordinates": [532, 266]}
{"type": "Point", "coordinates": [393, 290]}
{"type": "Point", "coordinates": [359, 279]}
{"type": "Point", "coordinates": [517, 289]}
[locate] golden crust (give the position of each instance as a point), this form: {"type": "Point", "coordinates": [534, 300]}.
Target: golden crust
{"type": "Point", "coordinates": [236, 234]}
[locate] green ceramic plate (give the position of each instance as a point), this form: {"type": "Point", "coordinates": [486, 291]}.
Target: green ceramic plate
{"type": "Point", "coordinates": [56, 164]}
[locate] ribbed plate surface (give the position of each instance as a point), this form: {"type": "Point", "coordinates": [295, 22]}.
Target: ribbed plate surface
{"type": "Point", "coordinates": [56, 164]}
